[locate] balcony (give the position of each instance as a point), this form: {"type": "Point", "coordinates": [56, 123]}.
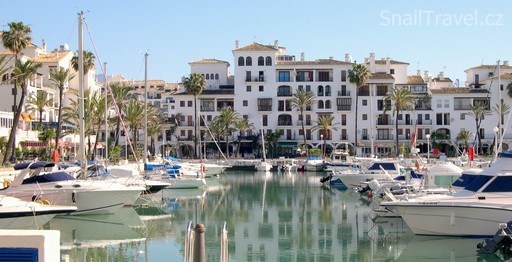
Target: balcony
{"type": "Point", "coordinates": [207, 109]}
{"type": "Point", "coordinates": [405, 122]}
{"type": "Point", "coordinates": [284, 93]}
{"type": "Point", "coordinates": [385, 122]}
{"type": "Point", "coordinates": [343, 93]}
{"type": "Point", "coordinates": [255, 79]}
{"type": "Point", "coordinates": [424, 122]}
{"type": "Point", "coordinates": [344, 107]}
{"type": "Point", "coordinates": [462, 107]}
{"type": "Point", "coordinates": [422, 107]}
{"type": "Point", "coordinates": [325, 79]}
{"type": "Point", "coordinates": [342, 137]}
{"type": "Point", "coordinates": [265, 108]}
{"type": "Point", "coordinates": [186, 123]}
{"type": "Point", "coordinates": [385, 137]}
{"type": "Point", "coordinates": [365, 137]}
{"type": "Point", "coordinates": [284, 123]}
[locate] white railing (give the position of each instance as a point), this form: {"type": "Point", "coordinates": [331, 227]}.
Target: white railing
{"type": "Point", "coordinates": [189, 243]}
{"type": "Point", "coordinates": [224, 254]}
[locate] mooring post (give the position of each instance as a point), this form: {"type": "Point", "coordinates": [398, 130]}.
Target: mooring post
{"type": "Point", "coordinates": [199, 244]}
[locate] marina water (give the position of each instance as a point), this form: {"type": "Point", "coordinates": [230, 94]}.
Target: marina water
{"type": "Point", "coordinates": [270, 217]}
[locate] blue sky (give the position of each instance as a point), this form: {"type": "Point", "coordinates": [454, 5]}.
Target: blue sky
{"type": "Point", "coordinates": [430, 35]}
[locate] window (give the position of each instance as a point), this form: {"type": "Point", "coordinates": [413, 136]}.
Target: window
{"type": "Point", "coordinates": [343, 76]}
{"type": "Point", "coordinates": [264, 104]}
{"type": "Point", "coordinates": [241, 61]}
{"type": "Point", "coordinates": [327, 90]}
{"type": "Point", "coordinates": [189, 103]}
{"type": "Point", "coordinates": [261, 88]}
{"type": "Point", "coordinates": [284, 91]}
{"type": "Point", "coordinates": [268, 61]}
{"type": "Point", "coordinates": [320, 104]}
{"type": "Point", "coordinates": [308, 88]}
{"type": "Point", "coordinates": [248, 61]}
{"type": "Point", "coordinates": [245, 103]}
{"type": "Point", "coordinates": [439, 103]}
{"type": "Point", "coordinates": [320, 91]}
{"type": "Point", "coordinates": [446, 103]}
{"type": "Point", "coordinates": [501, 87]}
{"type": "Point", "coordinates": [328, 104]}
{"type": "Point", "coordinates": [284, 76]}
{"type": "Point", "coordinates": [216, 76]}
{"type": "Point", "coordinates": [211, 76]}
{"type": "Point", "coordinates": [343, 120]}
{"type": "Point", "coordinates": [261, 61]}
{"type": "Point", "coordinates": [248, 76]}
{"type": "Point", "coordinates": [365, 102]}
{"type": "Point", "coordinates": [392, 71]}
{"type": "Point", "coordinates": [207, 76]}
{"type": "Point", "coordinates": [301, 87]}
{"type": "Point", "coordinates": [248, 88]}
{"type": "Point", "coordinates": [365, 116]}
{"type": "Point", "coordinates": [462, 116]}
{"type": "Point", "coordinates": [265, 120]}
{"type": "Point", "coordinates": [182, 103]}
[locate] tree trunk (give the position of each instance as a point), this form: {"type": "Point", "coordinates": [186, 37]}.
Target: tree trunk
{"type": "Point", "coordinates": [396, 133]}
{"type": "Point", "coordinates": [195, 127]}
{"type": "Point", "coordinates": [59, 122]}
{"type": "Point", "coordinates": [118, 130]}
{"type": "Point", "coordinates": [238, 148]}
{"type": "Point", "coordinates": [10, 143]}
{"type": "Point", "coordinates": [304, 131]}
{"type": "Point", "coordinates": [227, 146]}
{"type": "Point", "coordinates": [41, 120]}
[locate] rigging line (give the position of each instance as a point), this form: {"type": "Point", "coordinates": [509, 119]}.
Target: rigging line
{"type": "Point", "coordinates": [213, 137]}
{"type": "Point", "coordinates": [118, 111]}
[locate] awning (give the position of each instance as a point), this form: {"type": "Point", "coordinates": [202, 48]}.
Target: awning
{"type": "Point", "coordinates": [25, 116]}
{"type": "Point", "coordinates": [33, 144]}
{"type": "Point", "coordinates": [287, 143]}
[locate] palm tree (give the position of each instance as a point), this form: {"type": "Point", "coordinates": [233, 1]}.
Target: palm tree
{"type": "Point", "coordinates": [38, 103]}
{"type": "Point", "coordinates": [325, 126]}
{"type": "Point", "coordinates": [217, 129]}
{"type": "Point", "coordinates": [3, 66]}
{"type": "Point", "coordinates": [509, 89]}
{"type": "Point", "coordinates": [60, 78]}
{"type": "Point", "coordinates": [272, 139]}
{"type": "Point", "coordinates": [241, 125]}
{"type": "Point", "coordinates": [358, 76]}
{"type": "Point", "coordinates": [227, 118]}
{"type": "Point", "coordinates": [402, 99]}
{"type": "Point", "coordinates": [194, 84]}
{"type": "Point", "coordinates": [23, 72]}
{"type": "Point", "coordinates": [88, 58]}
{"type": "Point", "coordinates": [133, 113]}
{"type": "Point", "coordinates": [121, 94]}
{"type": "Point", "coordinates": [464, 135]}
{"type": "Point", "coordinates": [16, 39]}
{"type": "Point", "coordinates": [46, 137]}
{"type": "Point", "coordinates": [478, 112]}
{"type": "Point", "coordinates": [155, 127]}
{"type": "Point", "coordinates": [301, 100]}
{"type": "Point", "coordinates": [501, 110]}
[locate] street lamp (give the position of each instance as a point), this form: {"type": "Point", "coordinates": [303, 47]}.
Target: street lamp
{"type": "Point", "coordinates": [322, 139]}
{"type": "Point", "coordinates": [495, 129]}
{"type": "Point", "coordinates": [428, 147]}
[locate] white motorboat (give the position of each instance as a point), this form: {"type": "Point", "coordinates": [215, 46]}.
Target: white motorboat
{"type": "Point", "coordinates": [315, 164]}
{"type": "Point", "coordinates": [378, 170]}
{"type": "Point", "coordinates": [263, 166]}
{"type": "Point", "coordinates": [473, 211]}
{"type": "Point", "coordinates": [34, 183]}
{"type": "Point", "coordinates": [19, 214]}
{"type": "Point", "coordinates": [340, 160]}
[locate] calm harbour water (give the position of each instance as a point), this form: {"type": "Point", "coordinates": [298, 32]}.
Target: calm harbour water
{"type": "Point", "coordinates": [270, 217]}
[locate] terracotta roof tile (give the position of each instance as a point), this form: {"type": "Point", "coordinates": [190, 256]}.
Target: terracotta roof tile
{"type": "Point", "coordinates": [458, 90]}
{"type": "Point", "coordinates": [444, 79]}
{"type": "Point", "coordinates": [381, 75]}
{"type": "Point", "coordinates": [208, 61]}
{"type": "Point", "coordinates": [256, 47]}
{"type": "Point", "coordinates": [317, 62]}
{"type": "Point", "coordinates": [393, 62]}
{"type": "Point", "coordinates": [50, 57]}
{"type": "Point", "coordinates": [415, 80]}
{"type": "Point", "coordinates": [489, 67]}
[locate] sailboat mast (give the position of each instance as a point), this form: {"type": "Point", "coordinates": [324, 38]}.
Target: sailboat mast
{"type": "Point", "coordinates": [145, 108]}
{"type": "Point", "coordinates": [372, 150]}
{"type": "Point", "coordinates": [106, 112]}
{"type": "Point", "coordinates": [498, 135]}
{"type": "Point", "coordinates": [81, 98]}
{"type": "Point", "coordinates": [263, 143]}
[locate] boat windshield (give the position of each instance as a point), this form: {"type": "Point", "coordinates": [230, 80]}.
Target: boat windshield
{"type": "Point", "coordinates": [385, 166]}
{"type": "Point", "coordinates": [478, 182]}
{"type": "Point", "coordinates": [500, 184]}
{"type": "Point", "coordinates": [464, 180]}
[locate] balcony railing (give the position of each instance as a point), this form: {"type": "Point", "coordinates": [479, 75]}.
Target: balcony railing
{"type": "Point", "coordinates": [264, 108]}
{"type": "Point", "coordinates": [284, 123]}
{"type": "Point", "coordinates": [186, 123]}
{"type": "Point", "coordinates": [343, 93]}
{"type": "Point", "coordinates": [385, 122]}
{"type": "Point", "coordinates": [405, 122]}
{"type": "Point", "coordinates": [284, 94]}
{"type": "Point", "coordinates": [462, 107]}
{"type": "Point", "coordinates": [255, 79]}
{"type": "Point", "coordinates": [424, 122]}
{"type": "Point", "coordinates": [385, 137]}
{"type": "Point", "coordinates": [207, 109]}
{"type": "Point", "coordinates": [344, 107]}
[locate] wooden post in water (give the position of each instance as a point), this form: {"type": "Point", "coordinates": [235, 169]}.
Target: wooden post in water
{"type": "Point", "coordinates": [199, 244]}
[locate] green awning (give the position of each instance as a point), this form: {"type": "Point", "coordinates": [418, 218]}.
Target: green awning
{"type": "Point", "coordinates": [287, 143]}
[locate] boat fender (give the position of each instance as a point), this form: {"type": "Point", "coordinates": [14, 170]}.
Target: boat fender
{"type": "Point", "coordinates": [7, 183]}
{"type": "Point", "coordinates": [45, 202]}
{"type": "Point", "coordinates": [73, 197]}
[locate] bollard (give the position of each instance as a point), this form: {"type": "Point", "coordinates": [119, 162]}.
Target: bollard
{"type": "Point", "coordinates": [199, 244]}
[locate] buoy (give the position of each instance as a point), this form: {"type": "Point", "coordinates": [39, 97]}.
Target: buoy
{"type": "Point", "coordinates": [7, 183]}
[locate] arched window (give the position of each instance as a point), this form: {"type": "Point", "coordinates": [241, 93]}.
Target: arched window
{"type": "Point", "coordinates": [268, 61]}
{"type": "Point", "coordinates": [261, 61]}
{"type": "Point", "coordinates": [211, 76]}
{"type": "Point", "coordinates": [241, 61]}
{"type": "Point", "coordinates": [327, 90]}
{"type": "Point", "coordinates": [207, 76]}
{"type": "Point", "coordinates": [320, 104]}
{"type": "Point", "coordinates": [320, 91]}
{"type": "Point", "coordinates": [217, 76]}
{"type": "Point", "coordinates": [248, 61]}
{"type": "Point", "coordinates": [327, 104]}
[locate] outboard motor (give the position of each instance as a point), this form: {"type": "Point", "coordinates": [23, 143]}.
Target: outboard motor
{"type": "Point", "coordinates": [326, 178]}
{"type": "Point", "coordinates": [502, 240]}
{"type": "Point", "coordinates": [374, 185]}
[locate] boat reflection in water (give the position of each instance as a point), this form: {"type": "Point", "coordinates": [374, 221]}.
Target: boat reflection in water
{"type": "Point", "coordinates": [98, 236]}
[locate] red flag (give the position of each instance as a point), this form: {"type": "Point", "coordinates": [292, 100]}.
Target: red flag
{"type": "Point", "coordinates": [471, 153]}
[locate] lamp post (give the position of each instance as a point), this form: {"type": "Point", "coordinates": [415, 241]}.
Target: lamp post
{"type": "Point", "coordinates": [322, 139]}
{"type": "Point", "coordinates": [495, 129]}
{"type": "Point", "coordinates": [428, 147]}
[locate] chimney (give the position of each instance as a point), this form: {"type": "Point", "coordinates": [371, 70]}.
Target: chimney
{"type": "Point", "coordinates": [55, 52]}
{"type": "Point", "coordinates": [276, 44]}
{"type": "Point", "coordinates": [302, 57]}
{"type": "Point", "coordinates": [348, 58]}
{"type": "Point", "coordinates": [418, 72]}
{"type": "Point", "coordinates": [505, 62]}
{"type": "Point", "coordinates": [372, 55]}
{"type": "Point", "coordinates": [441, 75]}
{"type": "Point", "coordinates": [44, 46]}
{"type": "Point", "coordinates": [425, 73]}
{"type": "Point", "coordinates": [237, 44]}
{"type": "Point", "coordinates": [61, 48]}
{"type": "Point", "coordinates": [331, 58]}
